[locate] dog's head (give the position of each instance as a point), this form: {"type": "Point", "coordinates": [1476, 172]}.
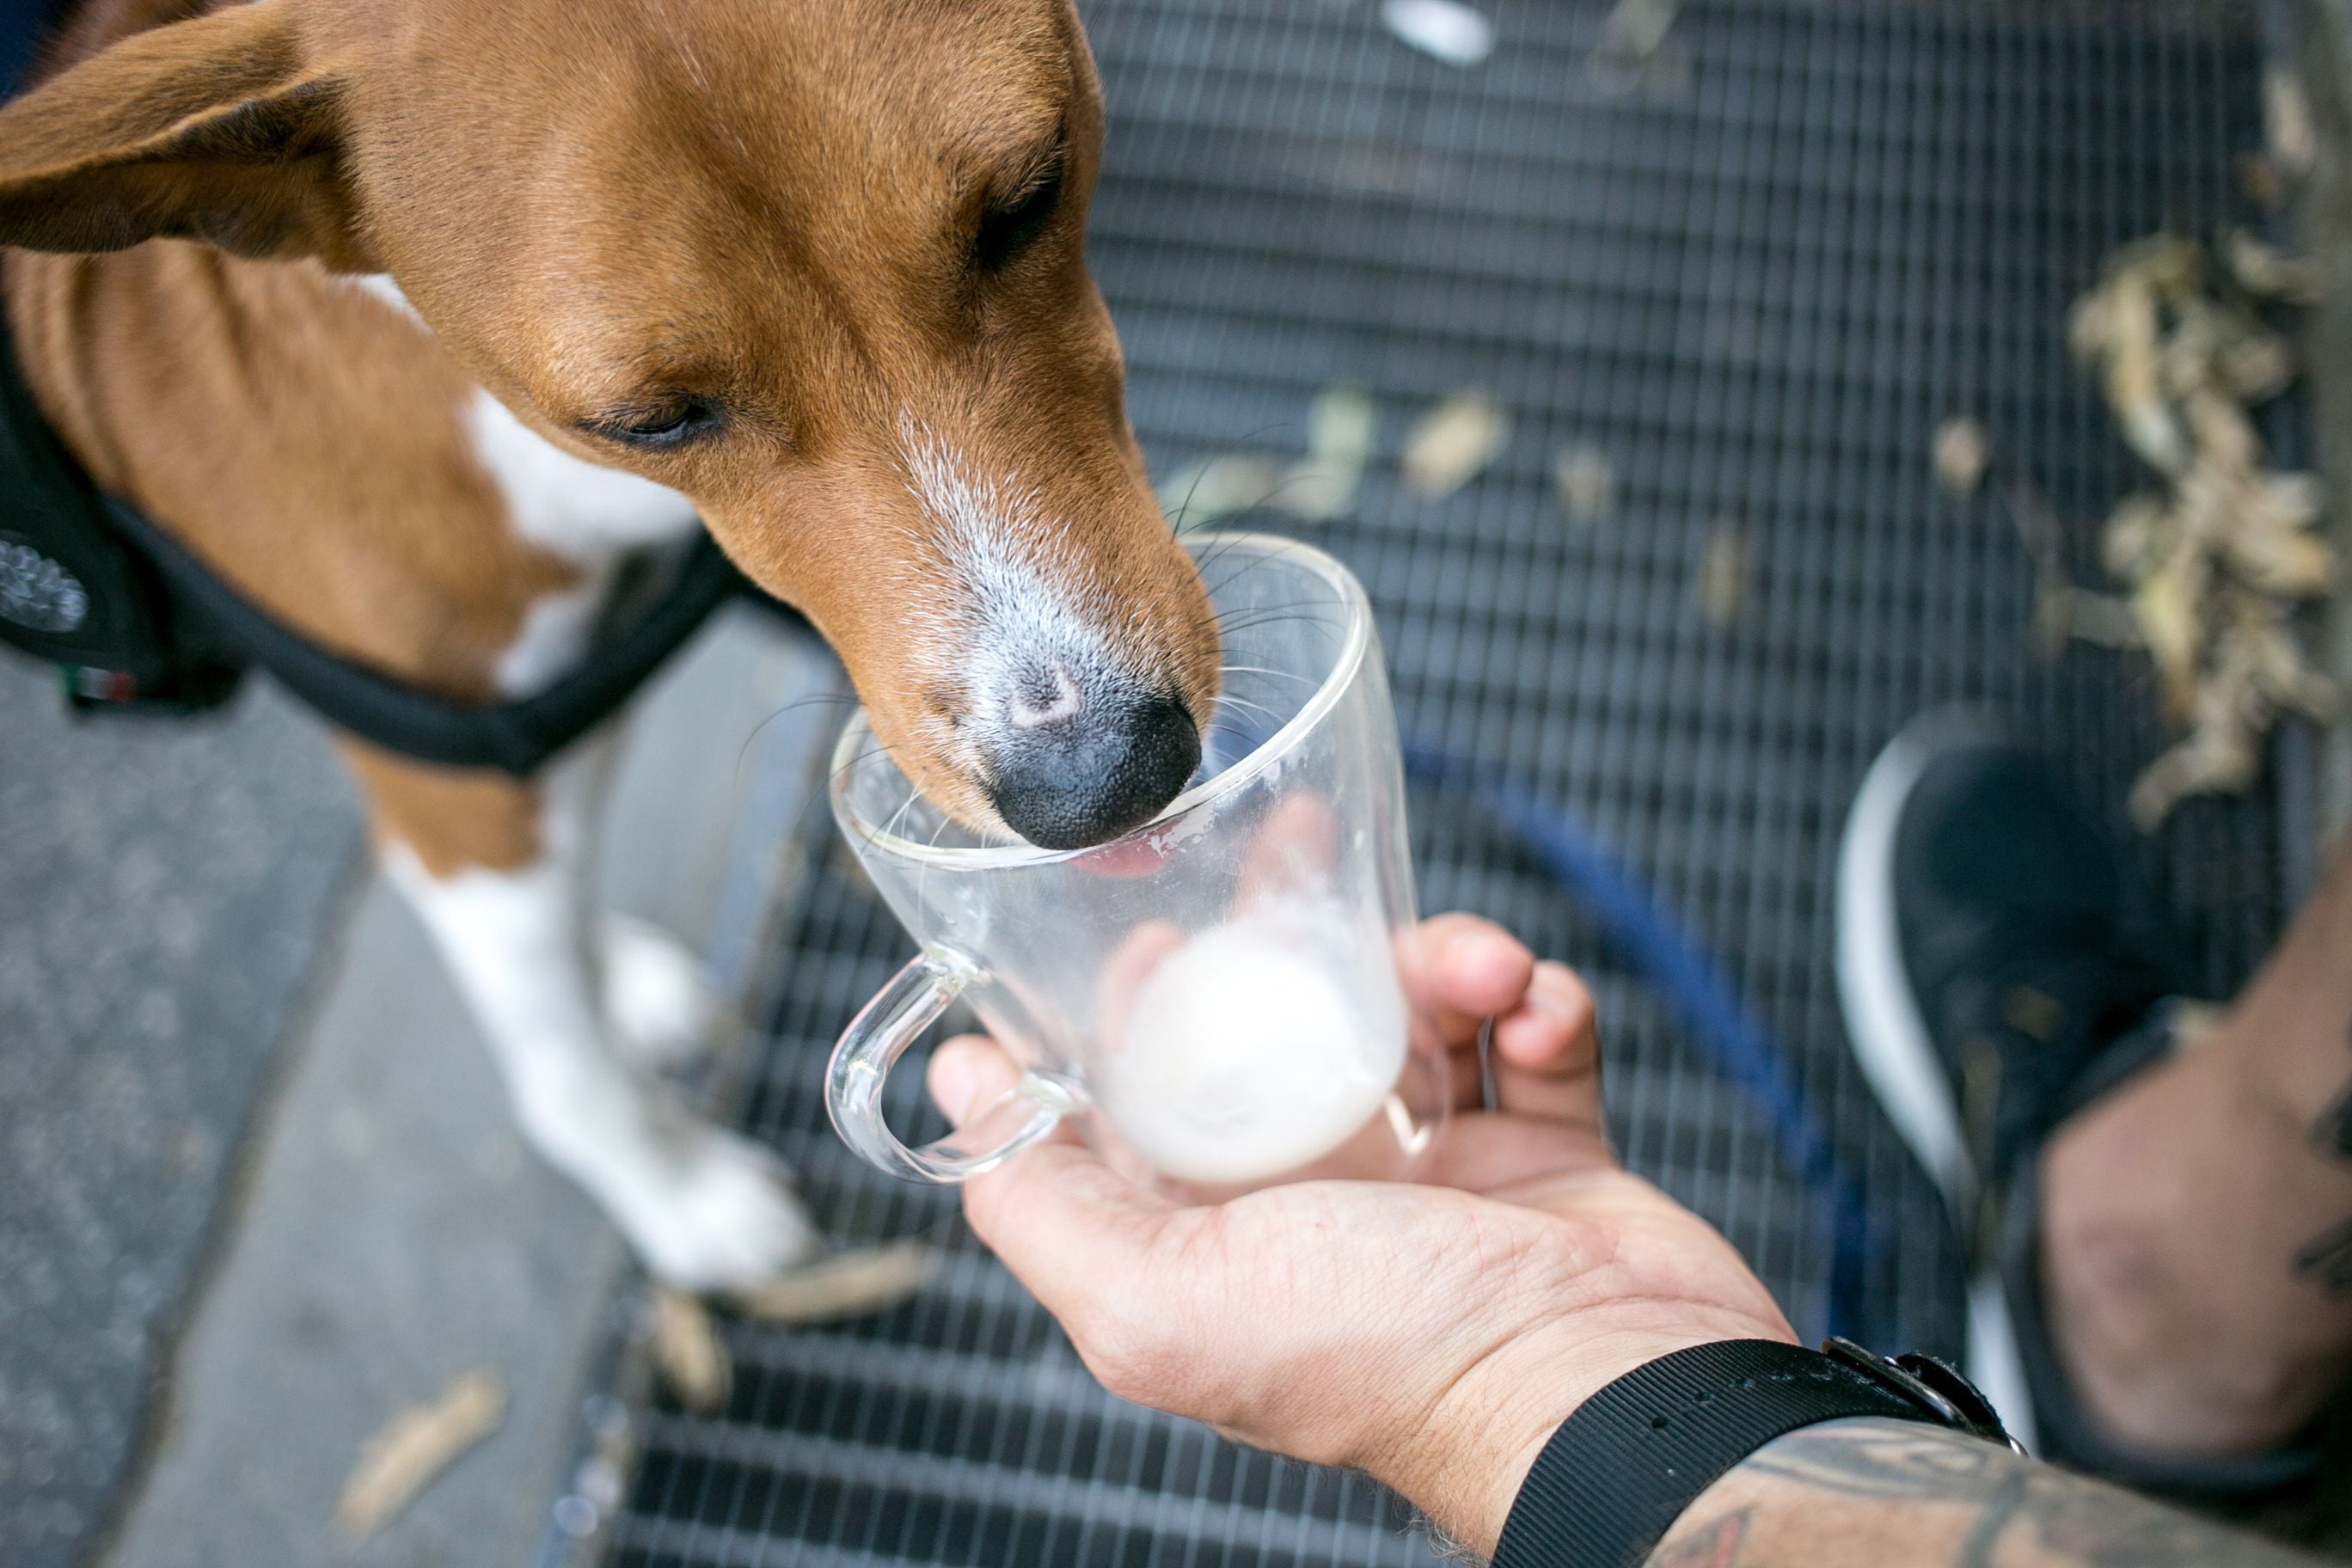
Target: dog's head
{"type": "Point", "coordinates": [817, 264]}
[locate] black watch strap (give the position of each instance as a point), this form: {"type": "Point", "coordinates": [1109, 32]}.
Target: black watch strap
{"type": "Point", "coordinates": [1622, 1468]}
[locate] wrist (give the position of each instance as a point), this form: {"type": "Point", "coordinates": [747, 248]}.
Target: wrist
{"type": "Point", "coordinates": [1463, 1465]}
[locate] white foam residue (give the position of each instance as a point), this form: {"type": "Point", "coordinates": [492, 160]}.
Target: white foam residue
{"type": "Point", "coordinates": [1257, 1048]}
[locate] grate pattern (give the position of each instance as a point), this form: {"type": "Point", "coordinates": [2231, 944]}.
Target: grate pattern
{"type": "Point", "coordinates": [1756, 281]}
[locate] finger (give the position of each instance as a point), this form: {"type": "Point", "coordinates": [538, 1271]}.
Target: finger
{"type": "Point", "coordinates": [969, 1075]}
{"type": "Point", "coordinates": [1124, 973]}
{"type": "Point", "coordinates": [1480, 1153]}
{"type": "Point", "coordinates": [960, 1069]}
{"type": "Point", "coordinates": [1547, 1055]}
{"type": "Point", "coordinates": [1459, 971]}
{"type": "Point", "coordinates": [1292, 853]}
{"type": "Point", "coordinates": [1066, 1224]}
{"type": "Point", "coordinates": [1552, 1030]}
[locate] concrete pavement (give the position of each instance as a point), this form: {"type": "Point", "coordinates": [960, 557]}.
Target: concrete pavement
{"type": "Point", "coordinates": [388, 1229]}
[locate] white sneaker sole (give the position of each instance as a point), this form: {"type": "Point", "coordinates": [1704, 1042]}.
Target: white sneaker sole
{"type": "Point", "coordinates": [1890, 1038]}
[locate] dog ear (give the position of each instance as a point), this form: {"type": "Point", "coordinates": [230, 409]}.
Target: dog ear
{"type": "Point", "coordinates": [211, 129]}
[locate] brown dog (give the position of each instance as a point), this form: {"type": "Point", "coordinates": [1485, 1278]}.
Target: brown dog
{"type": "Point", "coordinates": [413, 320]}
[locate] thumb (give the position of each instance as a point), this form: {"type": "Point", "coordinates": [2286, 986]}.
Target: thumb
{"type": "Point", "coordinates": [1066, 1223]}
{"type": "Point", "coordinates": [967, 1074]}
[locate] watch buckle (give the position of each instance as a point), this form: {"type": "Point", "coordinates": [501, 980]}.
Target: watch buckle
{"type": "Point", "coordinates": [1934, 1386]}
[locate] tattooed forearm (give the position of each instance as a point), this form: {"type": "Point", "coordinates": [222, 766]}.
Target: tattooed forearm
{"type": "Point", "coordinates": [1887, 1494]}
{"type": "Point", "coordinates": [2326, 1260]}
{"type": "Point", "coordinates": [2332, 1133]}
{"type": "Point", "coordinates": [1715, 1544]}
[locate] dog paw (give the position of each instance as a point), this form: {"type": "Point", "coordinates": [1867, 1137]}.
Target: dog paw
{"type": "Point", "coordinates": [728, 1219]}
{"type": "Point", "coordinates": [656, 995]}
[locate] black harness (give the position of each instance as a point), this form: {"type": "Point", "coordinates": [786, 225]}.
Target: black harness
{"type": "Point", "coordinates": [134, 621]}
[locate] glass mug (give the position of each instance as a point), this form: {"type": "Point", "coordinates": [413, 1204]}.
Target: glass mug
{"type": "Point", "coordinates": [1216, 995]}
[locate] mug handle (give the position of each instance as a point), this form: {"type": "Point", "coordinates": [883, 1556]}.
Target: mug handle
{"type": "Point", "coordinates": [876, 1039]}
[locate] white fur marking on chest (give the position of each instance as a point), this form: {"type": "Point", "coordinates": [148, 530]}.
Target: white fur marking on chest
{"type": "Point", "coordinates": [579, 511]}
{"type": "Point", "coordinates": [380, 286]}
{"type": "Point", "coordinates": [588, 515]}
{"type": "Point", "coordinates": [554, 635]}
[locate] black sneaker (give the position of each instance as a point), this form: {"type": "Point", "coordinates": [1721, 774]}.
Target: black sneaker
{"type": "Point", "coordinates": [1990, 995]}
{"type": "Point", "coordinates": [1985, 993]}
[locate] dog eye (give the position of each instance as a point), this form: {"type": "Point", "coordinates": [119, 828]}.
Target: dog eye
{"type": "Point", "coordinates": [1006, 228]}
{"type": "Point", "coordinates": [672, 424]}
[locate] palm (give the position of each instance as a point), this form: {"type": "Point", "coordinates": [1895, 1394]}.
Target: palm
{"type": "Point", "coordinates": [1303, 1303]}
{"type": "Point", "coordinates": [1324, 1319]}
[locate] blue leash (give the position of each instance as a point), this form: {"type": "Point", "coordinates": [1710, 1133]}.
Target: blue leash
{"type": "Point", "coordinates": [1696, 990]}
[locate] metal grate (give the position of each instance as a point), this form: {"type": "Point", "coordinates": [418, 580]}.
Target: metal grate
{"type": "Point", "coordinates": [1756, 281]}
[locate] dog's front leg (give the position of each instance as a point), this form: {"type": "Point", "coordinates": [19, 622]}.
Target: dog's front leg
{"type": "Point", "coordinates": [500, 872]}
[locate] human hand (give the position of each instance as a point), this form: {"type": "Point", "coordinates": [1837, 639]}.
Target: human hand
{"type": "Point", "coordinates": [1432, 1335]}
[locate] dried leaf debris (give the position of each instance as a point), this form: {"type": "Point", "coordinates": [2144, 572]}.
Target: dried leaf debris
{"type": "Point", "coordinates": [417, 1444]}
{"type": "Point", "coordinates": [1963, 451]}
{"type": "Point", "coordinates": [1585, 481]}
{"type": "Point", "coordinates": [2287, 125]}
{"type": "Point", "coordinates": [2216, 557]}
{"type": "Point", "coordinates": [1635, 49]}
{"type": "Point", "coordinates": [847, 1286]}
{"type": "Point", "coordinates": [688, 1352]}
{"type": "Point", "coordinates": [1339, 428]}
{"type": "Point", "coordinates": [1219, 488]}
{"type": "Point", "coordinates": [1720, 582]}
{"type": "Point", "coordinates": [1457, 438]}
{"type": "Point", "coordinates": [1453, 444]}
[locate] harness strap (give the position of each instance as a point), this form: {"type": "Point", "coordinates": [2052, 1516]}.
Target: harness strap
{"type": "Point", "coordinates": [515, 736]}
{"type": "Point", "coordinates": [24, 26]}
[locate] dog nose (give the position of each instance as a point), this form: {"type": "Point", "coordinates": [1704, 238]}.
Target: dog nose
{"type": "Point", "coordinates": [1075, 767]}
